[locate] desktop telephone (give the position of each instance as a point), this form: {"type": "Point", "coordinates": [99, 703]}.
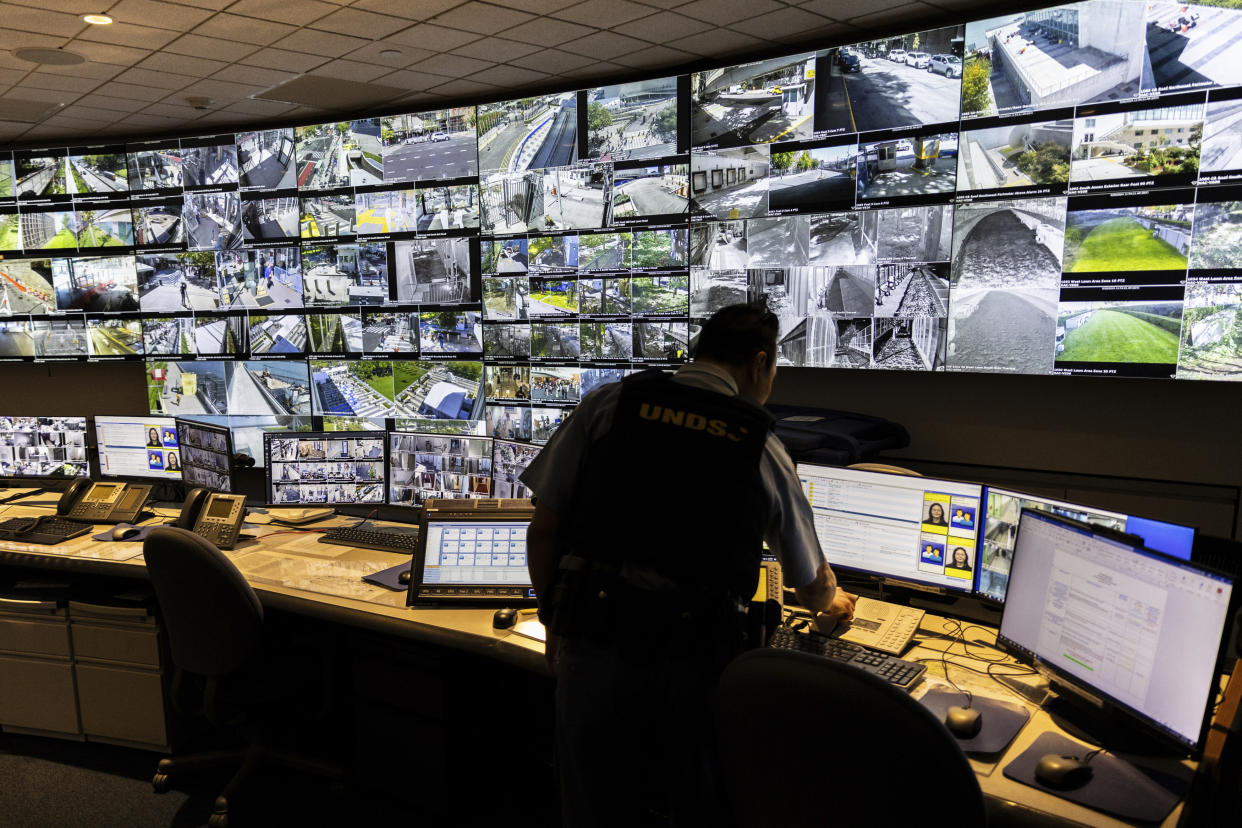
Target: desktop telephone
{"type": "Point", "coordinates": [879, 625]}
{"type": "Point", "coordinates": [216, 516]}
{"type": "Point", "coordinates": [112, 502]}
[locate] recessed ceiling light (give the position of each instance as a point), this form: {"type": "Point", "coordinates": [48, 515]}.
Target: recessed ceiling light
{"type": "Point", "coordinates": [97, 19]}
{"type": "Point", "coordinates": [390, 53]}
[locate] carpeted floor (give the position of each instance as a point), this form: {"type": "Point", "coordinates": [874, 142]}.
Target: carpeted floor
{"type": "Point", "coordinates": [51, 782]}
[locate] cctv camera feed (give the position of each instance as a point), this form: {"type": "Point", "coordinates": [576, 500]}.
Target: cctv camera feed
{"type": "Point", "coordinates": [1053, 191]}
{"type": "Point", "coordinates": [325, 468]}
{"type": "Point", "coordinates": [206, 455]}
{"type": "Point", "coordinates": [43, 447]}
{"type": "Point", "coordinates": [424, 466]}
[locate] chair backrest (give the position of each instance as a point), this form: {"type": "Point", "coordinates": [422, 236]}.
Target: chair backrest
{"type": "Point", "coordinates": [213, 618]}
{"type": "Point", "coordinates": [853, 750]}
{"type": "Point", "coordinates": [884, 467]}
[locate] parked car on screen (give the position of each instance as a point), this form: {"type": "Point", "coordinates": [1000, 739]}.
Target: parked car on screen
{"type": "Point", "coordinates": [439, 136]}
{"type": "Point", "coordinates": [948, 65]}
{"type": "Point", "coordinates": [918, 60]}
{"type": "Point", "coordinates": [898, 55]}
{"type": "Point", "coordinates": [848, 61]}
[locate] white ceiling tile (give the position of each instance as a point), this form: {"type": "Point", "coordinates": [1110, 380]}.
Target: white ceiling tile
{"type": "Point", "coordinates": [655, 56]}
{"type": "Point", "coordinates": [605, 45]}
{"type": "Point", "coordinates": [414, 81]}
{"type": "Point", "coordinates": [252, 107]}
{"type": "Point", "coordinates": [408, 54]}
{"type": "Point", "coordinates": [663, 27]}
{"type": "Point", "coordinates": [841, 9]}
{"type": "Point", "coordinates": [245, 29]}
{"type": "Point", "coordinates": [74, 126]}
{"type": "Point", "coordinates": [281, 59]}
{"type": "Point", "coordinates": [40, 20]}
{"type": "Point", "coordinates": [320, 43]}
{"type": "Point", "coordinates": [168, 109]}
{"type": "Point", "coordinates": [127, 34]}
{"type": "Point", "coordinates": [790, 24]}
{"type": "Point", "coordinates": [893, 15]}
{"type": "Point", "coordinates": [11, 76]}
{"type": "Point", "coordinates": [598, 71]}
{"type": "Point", "coordinates": [255, 75]}
{"type": "Point", "coordinates": [99, 71]}
{"type": "Point", "coordinates": [496, 48]}
{"type": "Point", "coordinates": [422, 10]}
{"type": "Point", "coordinates": [453, 66]}
{"type": "Point", "coordinates": [214, 5]}
{"type": "Point", "coordinates": [91, 113]}
{"type": "Point", "coordinates": [221, 92]}
{"type": "Point", "coordinates": [108, 52]}
{"type": "Point", "coordinates": [483, 18]}
{"type": "Point", "coordinates": [719, 43]}
{"type": "Point", "coordinates": [61, 83]}
{"type": "Point", "coordinates": [301, 13]}
{"type": "Point", "coordinates": [149, 77]}
{"type": "Point", "coordinates": [74, 7]}
{"type": "Point", "coordinates": [724, 12]}
{"type": "Point", "coordinates": [115, 104]}
{"type": "Point", "coordinates": [210, 47]}
{"type": "Point", "coordinates": [153, 13]}
{"type": "Point", "coordinates": [146, 121]}
{"type": "Point", "coordinates": [352, 70]}
{"type": "Point", "coordinates": [603, 14]}
{"type": "Point", "coordinates": [510, 76]}
{"type": "Point", "coordinates": [547, 32]}
{"type": "Point", "coordinates": [463, 87]}
{"type": "Point", "coordinates": [433, 38]}
{"type": "Point", "coordinates": [137, 92]}
{"type": "Point", "coordinates": [184, 64]}
{"type": "Point", "coordinates": [22, 40]}
{"type": "Point", "coordinates": [664, 4]}
{"type": "Point", "coordinates": [553, 61]}
{"type": "Point", "coordinates": [361, 23]}
{"type": "Point", "coordinates": [537, 6]}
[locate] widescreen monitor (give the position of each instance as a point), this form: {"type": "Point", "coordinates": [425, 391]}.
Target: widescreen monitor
{"type": "Point", "coordinates": [146, 447]}
{"type": "Point", "coordinates": [1002, 508]}
{"type": "Point", "coordinates": [206, 455]}
{"type": "Point", "coordinates": [43, 447]}
{"type": "Point", "coordinates": [894, 527]}
{"type": "Point", "coordinates": [423, 466]}
{"type": "Point", "coordinates": [325, 467]}
{"type": "Point", "coordinates": [1114, 621]}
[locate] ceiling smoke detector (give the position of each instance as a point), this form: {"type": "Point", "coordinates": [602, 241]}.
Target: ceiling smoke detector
{"type": "Point", "coordinates": [50, 57]}
{"type": "Point", "coordinates": [199, 103]}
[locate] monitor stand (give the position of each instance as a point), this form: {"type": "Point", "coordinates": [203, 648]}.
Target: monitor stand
{"type": "Point", "coordinates": [1103, 727]}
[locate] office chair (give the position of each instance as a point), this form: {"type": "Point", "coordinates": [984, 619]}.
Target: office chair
{"type": "Point", "coordinates": [214, 623]}
{"type": "Point", "coordinates": [805, 741]}
{"type": "Point", "coordinates": [883, 467]}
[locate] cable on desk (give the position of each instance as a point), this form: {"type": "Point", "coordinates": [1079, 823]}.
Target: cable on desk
{"type": "Point", "coordinates": [294, 532]}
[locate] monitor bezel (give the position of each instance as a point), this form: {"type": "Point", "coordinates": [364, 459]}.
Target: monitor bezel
{"type": "Point", "coordinates": [1080, 690]}
{"type": "Point", "coordinates": [145, 478]}
{"type": "Point", "coordinates": [187, 423]}
{"type": "Point", "coordinates": [319, 435]}
{"type": "Point", "coordinates": [914, 583]}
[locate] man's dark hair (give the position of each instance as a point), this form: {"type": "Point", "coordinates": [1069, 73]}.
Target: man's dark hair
{"type": "Point", "coordinates": [736, 333]}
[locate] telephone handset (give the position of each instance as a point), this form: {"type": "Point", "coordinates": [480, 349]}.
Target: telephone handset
{"type": "Point", "coordinates": [216, 516]}
{"type": "Point", "coordinates": [111, 502]}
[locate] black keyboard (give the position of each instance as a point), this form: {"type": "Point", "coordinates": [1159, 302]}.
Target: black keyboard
{"type": "Point", "coordinates": [896, 671]}
{"type": "Point", "coordinates": [46, 530]}
{"type": "Point", "coordinates": [386, 539]}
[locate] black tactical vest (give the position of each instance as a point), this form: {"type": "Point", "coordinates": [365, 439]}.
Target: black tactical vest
{"type": "Point", "coordinates": [674, 488]}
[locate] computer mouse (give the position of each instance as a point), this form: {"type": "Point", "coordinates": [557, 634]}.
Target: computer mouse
{"type": "Point", "coordinates": [1062, 772]}
{"type": "Point", "coordinates": [404, 577]}
{"type": "Point", "coordinates": [504, 618]}
{"type": "Point", "coordinates": [123, 532]}
{"type": "Point", "coordinates": [963, 722]}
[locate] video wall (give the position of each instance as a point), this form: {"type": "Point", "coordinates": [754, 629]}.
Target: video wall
{"type": "Point", "coordinates": [1050, 192]}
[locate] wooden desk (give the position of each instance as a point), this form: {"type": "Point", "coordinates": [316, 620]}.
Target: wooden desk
{"type": "Point", "coordinates": [294, 573]}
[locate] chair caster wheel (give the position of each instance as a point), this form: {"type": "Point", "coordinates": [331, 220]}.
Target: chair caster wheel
{"type": "Point", "coordinates": [218, 821]}
{"type": "Point", "coordinates": [160, 783]}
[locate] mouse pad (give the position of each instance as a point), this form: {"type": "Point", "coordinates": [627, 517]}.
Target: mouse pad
{"type": "Point", "coordinates": [142, 533]}
{"type": "Point", "coordinates": [1001, 719]}
{"type": "Point", "coordinates": [388, 578]}
{"type": "Point", "coordinates": [1116, 788]}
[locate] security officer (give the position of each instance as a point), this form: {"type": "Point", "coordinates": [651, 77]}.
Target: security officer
{"type": "Point", "coordinates": [653, 501]}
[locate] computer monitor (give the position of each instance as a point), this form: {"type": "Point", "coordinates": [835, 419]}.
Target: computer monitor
{"type": "Point", "coordinates": [1117, 623]}
{"type": "Point", "coordinates": [326, 467]}
{"type": "Point", "coordinates": [1002, 508]}
{"type": "Point", "coordinates": [206, 455]}
{"type": "Point", "coordinates": [509, 460]}
{"type": "Point", "coordinates": [472, 551]}
{"type": "Point", "coordinates": [43, 447]}
{"type": "Point", "coordinates": [423, 466]}
{"type": "Point", "coordinates": [897, 528]}
{"type": "Point", "coordinates": [139, 446]}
